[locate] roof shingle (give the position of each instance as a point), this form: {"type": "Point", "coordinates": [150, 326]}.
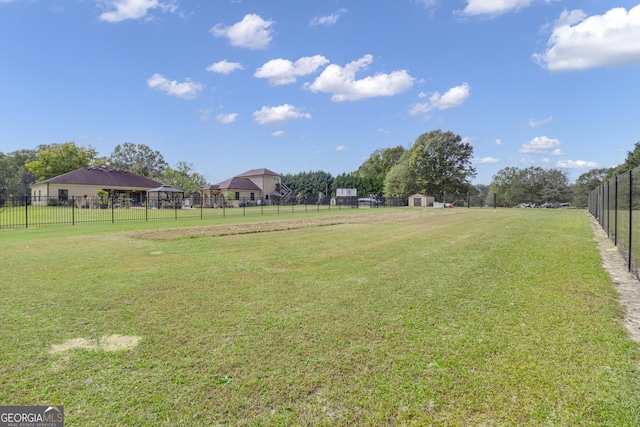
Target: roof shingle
{"type": "Point", "coordinates": [105, 177]}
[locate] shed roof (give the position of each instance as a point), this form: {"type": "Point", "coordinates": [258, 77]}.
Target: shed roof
{"type": "Point", "coordinates": [165, 189]}
{"type": "Point", "coordinates": [103, 176]}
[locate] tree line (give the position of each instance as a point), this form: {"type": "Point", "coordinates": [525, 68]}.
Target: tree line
{"type": "Point", "coordinates": [438, 163]}
{"type": "Point", "coordinates": [20, 169]}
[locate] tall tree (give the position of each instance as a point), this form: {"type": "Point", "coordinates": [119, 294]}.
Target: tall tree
{"type": "Point", "coordinates": [309, 184]}
{"type": "Point", "coordinates": [15, 179]}
{"type": "Point", "coordinates": [632, 161]}
{"type": "Point", "coordinates": [587, 182]}
{"type": "Point", "coordinates": [184, 178]}
{"type": "Point", "coordinates": [400, 181]}
{"type": "Point", "coordinates": [139, 159]}
{"type": "Point", "coordinates": [56, 159]}
{"type": "Point", "coordinates": [376, 167]}
{"type": "Point", "coordinates": [514, 186]}
{"type": "Point", "coordinates": [441, 163]}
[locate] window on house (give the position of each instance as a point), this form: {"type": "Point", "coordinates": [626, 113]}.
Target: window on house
{"type": "Point", "coordinates": [237, 195]}
{"type": "Point", "coordinates": [253, 196]}
{"type": "Point", "coordinates": [63, 195]}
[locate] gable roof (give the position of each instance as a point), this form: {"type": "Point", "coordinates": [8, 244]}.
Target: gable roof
{"type": "Point", "coordinates": [259, 172]}
{"type": "Point", "coordinates": [103, 176]}
{"type": "Point", "coordinates": [237, 183]}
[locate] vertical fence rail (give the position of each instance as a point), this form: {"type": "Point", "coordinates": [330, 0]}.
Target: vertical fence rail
{"type": "Point", "coordinates": [612, 204]}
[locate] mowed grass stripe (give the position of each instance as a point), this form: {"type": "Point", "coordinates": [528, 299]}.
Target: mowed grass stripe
{"type": "Point", "coordinates": [446, 317]}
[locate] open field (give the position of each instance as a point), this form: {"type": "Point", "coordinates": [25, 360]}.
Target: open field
{"type": "Point", "coordinates": [367, 317]}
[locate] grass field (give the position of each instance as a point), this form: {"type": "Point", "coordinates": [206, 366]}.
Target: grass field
{"type": "Point", "coordinates": [457, 317]}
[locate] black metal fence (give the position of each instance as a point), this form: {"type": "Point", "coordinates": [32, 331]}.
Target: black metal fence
{"type": "Point", "coordinates": [613, 204]}
{"type": "Point", "coordinates": [25, 211]}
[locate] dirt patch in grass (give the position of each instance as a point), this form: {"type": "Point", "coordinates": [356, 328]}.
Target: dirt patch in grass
{"type": "Point", "coordinates": [625, 283]}
{"type": "Point", "coordinates": [113, 342]}
{"type": "Point", "coordinates": [276, 225]}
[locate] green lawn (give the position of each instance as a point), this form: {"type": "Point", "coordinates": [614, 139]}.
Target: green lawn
{"type": "Point", "coordinates": [457, 317]}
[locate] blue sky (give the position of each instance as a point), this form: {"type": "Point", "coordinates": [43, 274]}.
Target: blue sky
{"type": "Point", "coordinates": [293, 86]}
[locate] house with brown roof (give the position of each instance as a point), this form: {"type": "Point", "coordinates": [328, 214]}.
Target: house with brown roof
{"type": "Point", "coordinates": [254, 187]}
{"type": "Point", "coordinates": [88, 181]}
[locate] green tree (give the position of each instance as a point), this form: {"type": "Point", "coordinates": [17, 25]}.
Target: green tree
{"type": "Point", "coordinates": [309, 184]}
{"type": "Point", "coordinates": [441, 163]}
{"type": "Point", "coordinates": [139, 159]}
{"type": "Point", "coordinates": [632, 161]}
{"type": "Point", "coordinates": [57, 159]}
{"type": "Point", "coordinates": [374, 170]}
{"type": "Point", "coordinates": [555, 187]}
{"type": "Point", "coordinates": [184, 178]}
{"type": "Point", "coordinates": [400, 181]}
{"type": "Point", "coordinates": [586, 183]}
{"type": "Point", "coordinates": [514, 186]}
{"type": "Point", "coordinates": [15, 178]}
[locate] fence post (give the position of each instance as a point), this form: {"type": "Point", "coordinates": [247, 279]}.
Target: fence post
{"type": "Point", "coordinates": [113, 207]}
{"type": "Point", "coordinates": [630, 217]}
{"type": "Point", "coordinates": [73, 210]}
{"type": "Point", "coordinates": [615, 213]}
{"type": "Point", "coordinates": [495, 200]}
{"type": "Point", "coordinates": [26, 213]}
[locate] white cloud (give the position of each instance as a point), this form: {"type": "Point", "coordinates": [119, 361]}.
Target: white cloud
{"type": "Point", "coordinates": [282, 71]}
{"type": "Point", "coordinates": [279, 115]}
{"type": "Point", "coordinates": [252, 32]}
{"type": "Point", "coordinates": [558, 152]}
{"type": "Point", "coordinates": [204, 114]}
{"type": "Point", "coordinates": [499, 142]}
{"type": "Point", "coordinates": [493, 7]}
{"type": "Point", "coordinates": [328, 19]}
{"type": "Point", "coordinates": [576, 164]}
{"type": "Point", "coordinates": [539, 145]}
{"type": "Point", "coordinates": [342, 83]}
{"type": "Point", "coordinates": [224, 67]}
{"type": "Point", "coordinates": [579, 42]}
{"type": "Point", "coordinates": [527, 161]}
{"type": "Point", "coordinates": [186, 90]}
{"type": "Point", "coordinates": [452, 98]}
{"type": "Point", "coordinates": [383, 131]}
{"type": "Point", "coordinates": [120, 10]}
{"type": "Point", "coordinates": [535, 123]}
{"type": "Point", "coordinates": [341, 148]}
{"type": "Point", "coordinates": [278, 133]}
{"type": "Point", "coordinates": [427, 3]}
{"type": "Point", "coordinates": [227, 118]}
{"type": "Point", "coordinates": [485, 161]}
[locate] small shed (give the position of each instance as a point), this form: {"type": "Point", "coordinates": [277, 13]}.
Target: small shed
{"type": "Point", "coordinates": [421, 200]}
{"type": "Point", "coordinates": [165, 196]}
